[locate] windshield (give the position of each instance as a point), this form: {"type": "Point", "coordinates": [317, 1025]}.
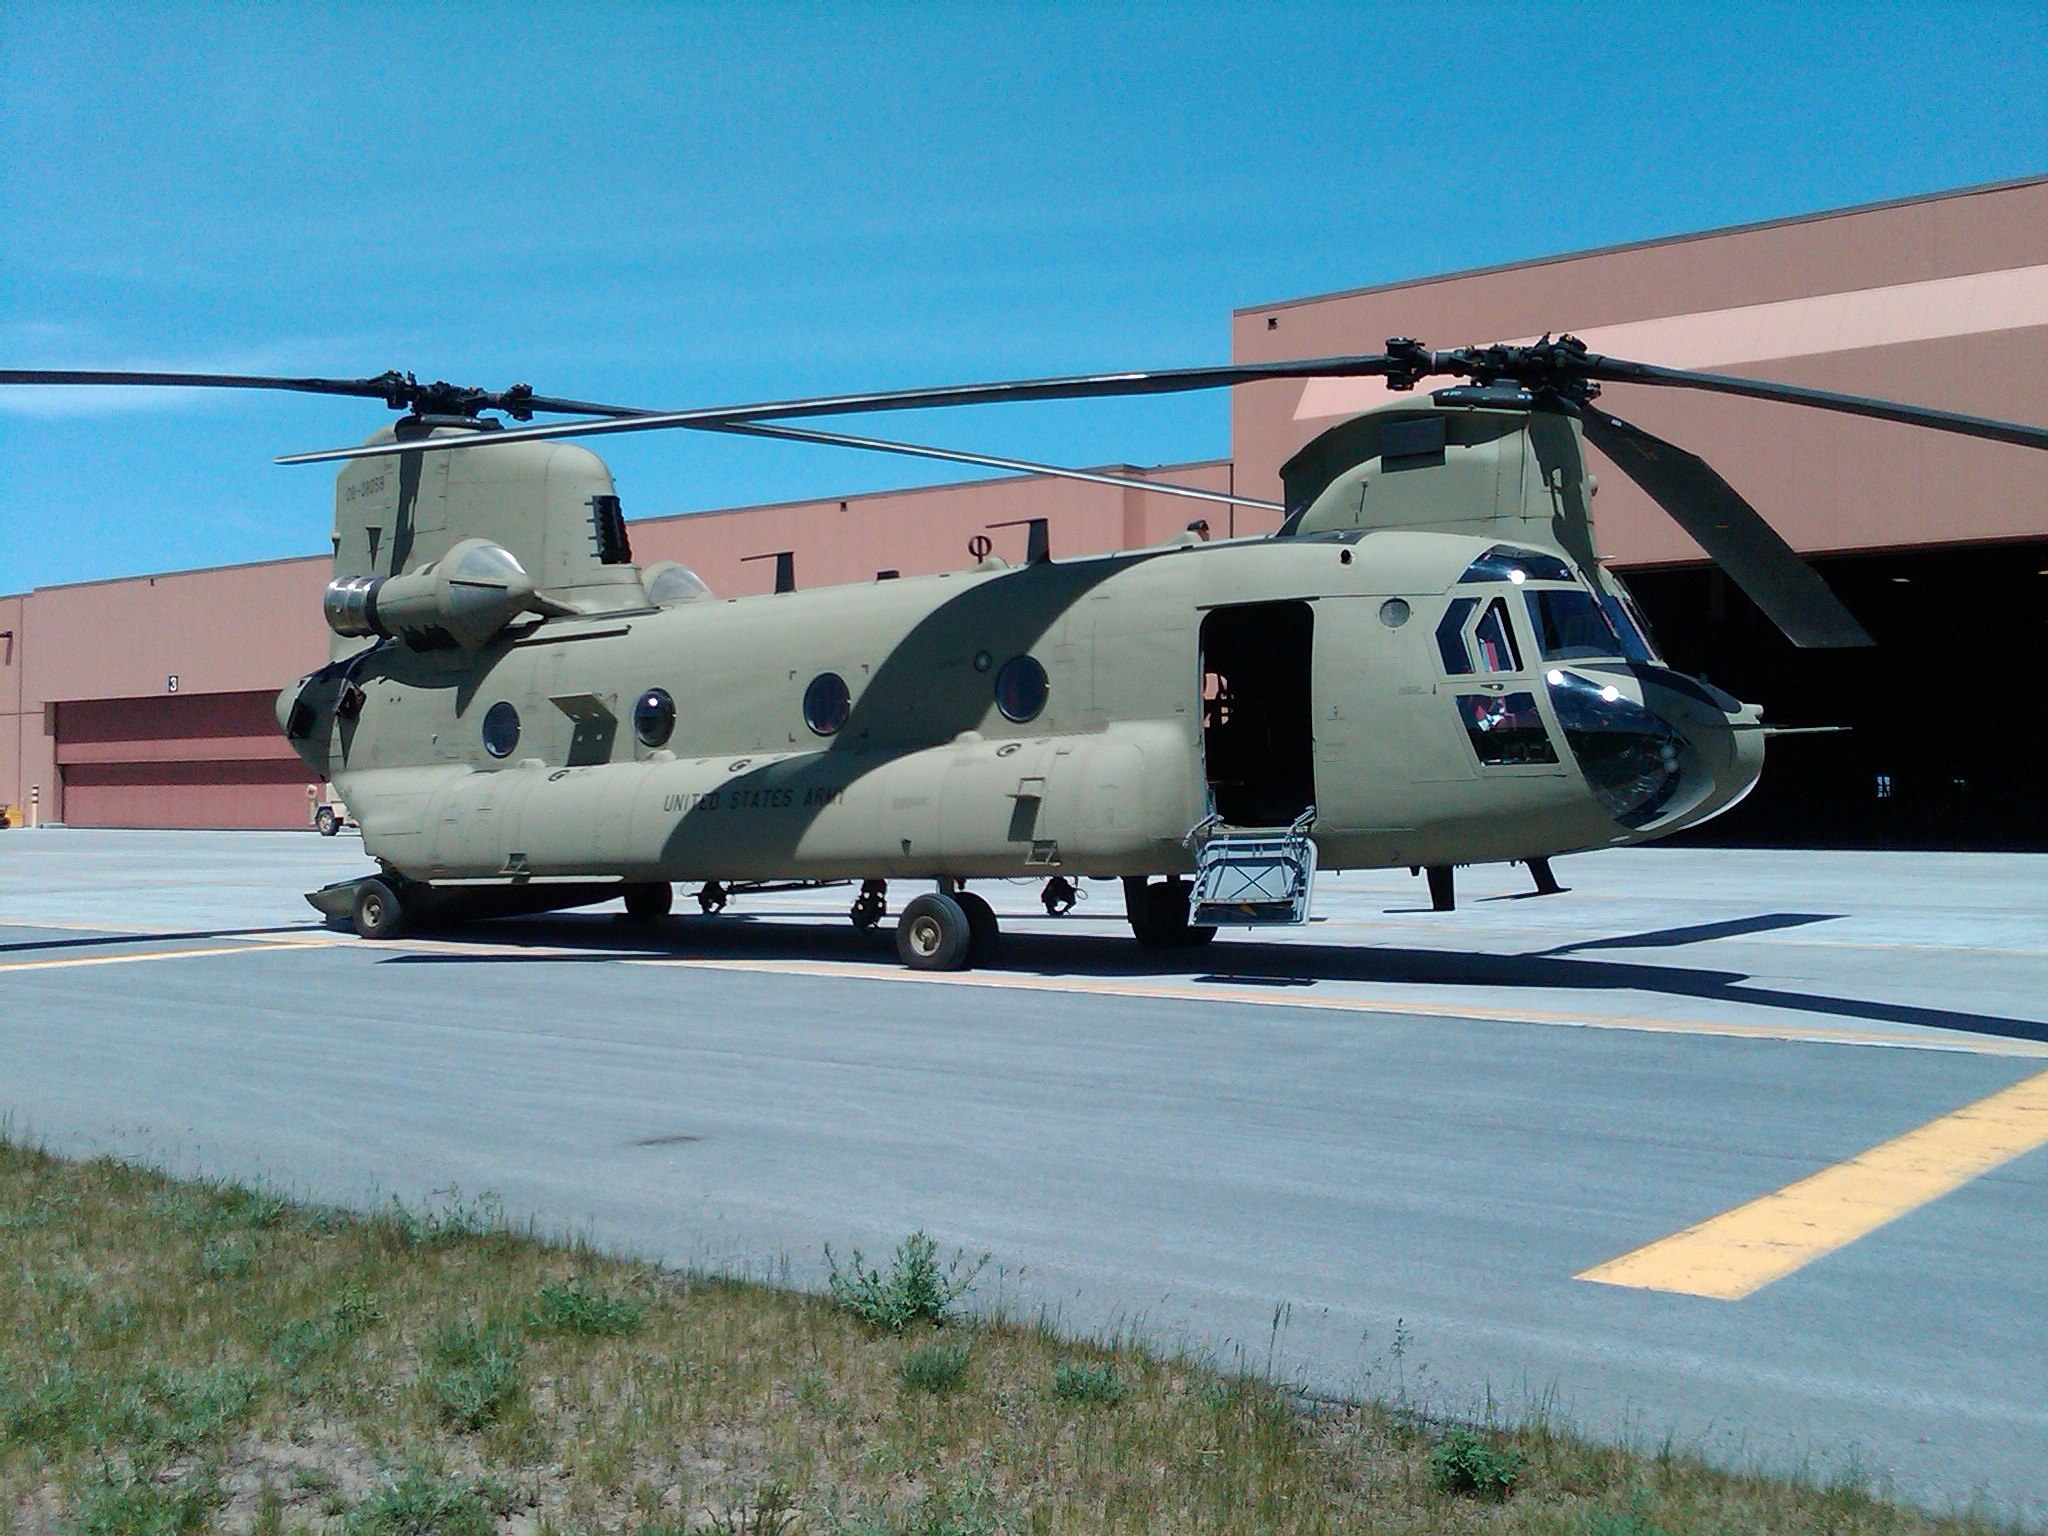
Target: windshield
{"type": "Point", "coordinates": [1571, 626]}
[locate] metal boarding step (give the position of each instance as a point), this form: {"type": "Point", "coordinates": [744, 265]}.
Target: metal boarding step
{"type": "Point", "coordinates": [1253, 876]}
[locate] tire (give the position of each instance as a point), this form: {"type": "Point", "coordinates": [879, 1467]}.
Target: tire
{"type": "Point", "coordinates": [649, 902]}
{"type": "Point", "coordinates": [1159, 915]}
{"type": "Point", "coordinates": [934, 934]}
{"type": "Point", "coordinates": [378, 913]}
{"type": "Point", "coordinates": [983, 932]}
{"type": "Point", "coordinates": [325, 822]}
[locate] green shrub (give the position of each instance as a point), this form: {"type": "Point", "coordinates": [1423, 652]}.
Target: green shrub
{"type": "Point", "coordinates": [419, 1505]}
{"type": "Point", "coordinates": [916, 1289]}
{"type": "Point", "coordinates": [1075, 1381]}
{"type": "Point", "coordinates": [472, 1374]}
{"type": "Point", "coordinates": [571, 1308]}
{"type": "Point", "coordinates": [935, 1368]}
{"type": "Point", "coordinates": [1462, 1463]}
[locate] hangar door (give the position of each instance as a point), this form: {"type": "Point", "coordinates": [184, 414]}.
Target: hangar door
{"type": "Point", "coordinates": [182, 760]}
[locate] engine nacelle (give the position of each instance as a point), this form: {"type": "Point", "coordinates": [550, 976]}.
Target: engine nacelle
{"type": "Point", "coordinates": [466, 597]}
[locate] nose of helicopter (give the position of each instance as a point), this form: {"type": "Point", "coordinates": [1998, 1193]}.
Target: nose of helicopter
{"type": "Point", "coordinates": [1659, 750]}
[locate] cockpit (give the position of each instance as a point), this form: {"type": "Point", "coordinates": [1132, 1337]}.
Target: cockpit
{"type": "Point", "coordinates": [1632, 759]}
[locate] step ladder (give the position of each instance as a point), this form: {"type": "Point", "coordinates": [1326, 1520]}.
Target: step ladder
{"type": "Point", "coordinates": [1252, 876]}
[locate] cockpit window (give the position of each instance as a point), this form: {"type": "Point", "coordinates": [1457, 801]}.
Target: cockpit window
{"type": "Point", "coordinates": [1496, 636]}
{"type": "Point", "coordinates": [1492, 639]}
{"type": "Point", "coordinates": [1504, 562]}
{"type": "Point", "coordinates": [1628, 622]}
{"type": "Point", "coordinates": [1450, 635]}
{"type": "Point", "coordinates": [1571, 626]}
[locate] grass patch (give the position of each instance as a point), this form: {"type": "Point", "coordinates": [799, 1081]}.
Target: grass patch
{"type": "Point", "coordinates": [425, 1370]}
{"type": "Point", "coordinates": [934, 1368]}
{"type": "Point", "coordinates": [573, 1307]}
{"type": "Point", "coordinates": [1076, 1381]}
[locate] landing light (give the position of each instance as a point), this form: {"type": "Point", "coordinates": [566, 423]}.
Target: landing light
{"type": "Point", "coordinates": [1518, 576]}
{"type": "Point", "coordinates": [1553, 677]}
{"type": "Point", "coordinates": [1610, 694]}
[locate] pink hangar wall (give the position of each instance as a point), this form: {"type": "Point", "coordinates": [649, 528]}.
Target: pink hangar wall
{"type": "Point", "coordinates": [1939, 301]}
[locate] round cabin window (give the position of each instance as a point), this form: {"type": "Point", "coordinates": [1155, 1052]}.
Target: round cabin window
{"type": "Point", "coordinates": [654, 717]}
{"type": "Point", "coordinates": [827, 703]}
{"type": "Point", "coordinates": [1021, 689]}
{"type": "Point", "coordinates": [501, 729]}
{"type": "Point", "coordinates": [1394, 612]}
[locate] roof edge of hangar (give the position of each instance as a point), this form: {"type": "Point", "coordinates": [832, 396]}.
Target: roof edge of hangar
{"type": "Point", "coordinates": [1980, 189]}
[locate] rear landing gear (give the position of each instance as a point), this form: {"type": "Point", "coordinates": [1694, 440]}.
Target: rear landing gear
{"type": "Point", "coordinates": [378, 913]}
{"type": "Point", "coordinates": [1159, 914]}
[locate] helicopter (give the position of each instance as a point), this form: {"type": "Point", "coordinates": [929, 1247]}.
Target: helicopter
{"type": "Point", "coordinates": [1426, 665]}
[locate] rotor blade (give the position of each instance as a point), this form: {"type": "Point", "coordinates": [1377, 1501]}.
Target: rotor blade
{"type": "Point", "coordinates": [1092, 386]}
{"type": "Point", "coordinates": [368, 389]}
{"type": "Point", "coordinates": [397, 390]}
{"type": "Point", "coordinates": [1732, 532]}
{"type": "Point", "coordinates": [956, 456]}
{"type": "Point", "coordinates": [1616, 370]}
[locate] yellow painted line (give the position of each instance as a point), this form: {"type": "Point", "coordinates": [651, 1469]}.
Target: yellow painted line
{"type": "Point", "coordinates": [72, 961]}
{"type": "Point", "coordinates": [1307, 997]}
{"type": "Point", "coordinates": [1747, 1248]}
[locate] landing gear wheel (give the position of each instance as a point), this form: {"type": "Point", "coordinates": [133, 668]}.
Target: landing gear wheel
{"type": "Point", "coordinates": [325, 822]}
{"type": "Point", "coordinates": [712, 898]}
{"type": "Point", "coordinates": [870, 906]}
{"type": "Point", "coordinates": [983, 933]}
{"type": "Point", "coordinates": [1159, 914]}
{"type": "Point", "coordinates": [1059, 896]}
{"type": "Point", "coordinates": [934, 933]}
{"type": "Point", "coordinates": [649, 902]}
{"type": "Point", "coordinates": [378, 913]}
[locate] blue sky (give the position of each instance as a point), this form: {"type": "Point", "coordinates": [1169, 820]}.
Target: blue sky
{"type": "Point", "coordinates": [679, 205]}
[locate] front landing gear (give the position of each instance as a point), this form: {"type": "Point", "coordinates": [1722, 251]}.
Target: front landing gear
{"type": "Point", "coordinates": [934, 933]}
{"type": "Point", "coordinates": [1159, 914]}
{"type": "Point", "coordinates": [712, 898]}
{"type": "Point", "coordinates": [871, 905]}
{"type": "Point", "coordinates": [650, 902]}
{"type": "Point", "coordinates": [947, 930]}
{"type": "Point", "coordinates": [1059, 896]}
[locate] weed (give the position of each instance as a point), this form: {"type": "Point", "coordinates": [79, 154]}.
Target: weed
{"type": "Point", "coordinates": [472, 1374]}
{"type": "Point", "coordinates": [1462, 1463]}
{"type": "Point", "coordinates": [571, 1307]}
{"type": "Point", "coordinates": [419, 1505]}
{"type": "Point", "coordinates": [307, 1342]}
{"type": "Point", "coordinates": [935, 1368]}
{"type": "Point", "coordinates": [228, 1260]}
{"type": "Point", "coordinates": [1619, 1523]}
{"type": "Point", "coordinates": [1075, 1381]}
{"type": "Point", "coordinates": [445, 1217]}
{"type": "Point", "coordinates": [770, 1510]}
{"type": "Point", "coordinates": [916, 1289]}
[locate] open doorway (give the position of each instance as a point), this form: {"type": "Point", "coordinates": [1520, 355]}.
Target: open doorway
{"type": "Point", "coordinates": [1256, 728]}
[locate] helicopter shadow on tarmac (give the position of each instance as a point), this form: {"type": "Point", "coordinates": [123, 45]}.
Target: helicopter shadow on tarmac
{"type": "Point", "coordinates": [586, 939]}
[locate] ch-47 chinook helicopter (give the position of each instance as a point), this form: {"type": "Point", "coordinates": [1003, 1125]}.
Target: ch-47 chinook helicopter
{"type": "Point", "coordinates": [1427, 665]}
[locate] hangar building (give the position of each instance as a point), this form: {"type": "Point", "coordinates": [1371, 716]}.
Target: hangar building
{"type": "Point", "coordinates": [1939, 544]}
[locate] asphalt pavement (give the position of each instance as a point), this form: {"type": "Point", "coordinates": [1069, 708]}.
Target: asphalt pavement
{"type": "Point", "coordinates": [1383, 1153]}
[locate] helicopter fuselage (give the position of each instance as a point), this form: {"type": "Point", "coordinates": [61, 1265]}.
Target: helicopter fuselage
{"type": "Point", "coordinates": [1076, 716]}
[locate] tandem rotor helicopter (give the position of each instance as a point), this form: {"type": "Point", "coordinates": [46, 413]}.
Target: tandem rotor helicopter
{"type": "Point", "coordinates": [1427, 665]}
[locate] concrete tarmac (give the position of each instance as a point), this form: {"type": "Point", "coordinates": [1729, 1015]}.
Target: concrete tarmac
{"type": "Point", "coordinates": [1378, 1151]}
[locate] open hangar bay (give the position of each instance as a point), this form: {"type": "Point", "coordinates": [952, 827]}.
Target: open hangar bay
{"type": "Point", "coordinates": [1741, 1148]}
